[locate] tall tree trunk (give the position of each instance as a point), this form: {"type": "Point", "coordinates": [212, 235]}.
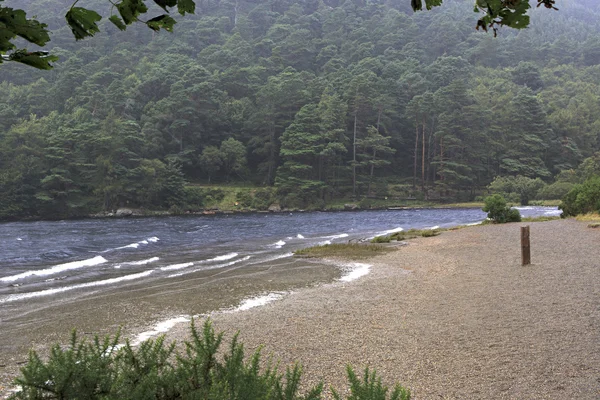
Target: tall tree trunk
{"type": "Point", "coordinates": [371, 174]}
{"type": "Point", "coordinates": [354, 158]}
{"type": "Point", "coordinates": [416, 154]}
{"type": "Point", "coordinates": [271, 156]}
{"type": "Point", "coordinates": [423, 160]}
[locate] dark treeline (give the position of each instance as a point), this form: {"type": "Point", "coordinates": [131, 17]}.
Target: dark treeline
{"type": "Point", "coordinates": [322, 99]}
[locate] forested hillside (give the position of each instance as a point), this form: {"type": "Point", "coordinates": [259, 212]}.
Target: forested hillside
{"type": "Point", "coordinates": [321, 99]}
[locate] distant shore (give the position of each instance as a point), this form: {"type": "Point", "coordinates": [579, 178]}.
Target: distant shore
{"type": "Point", "coordinates": [454, 316]}
{"type": "Point", "coordinates": [348, 207]}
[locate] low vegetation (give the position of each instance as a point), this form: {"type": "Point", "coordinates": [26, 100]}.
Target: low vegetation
{"type": "Point", "coordinates": [342, 250]}
{"type": "Point", "coordinates": [101, 369]}
{"type": "Point", "coordinates": [498, 211]}
{"type": "Point", "coordinates": [405, 235]}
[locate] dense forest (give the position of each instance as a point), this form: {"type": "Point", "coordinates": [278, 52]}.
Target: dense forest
{"type": "Point", "coordinates": [312, 100]}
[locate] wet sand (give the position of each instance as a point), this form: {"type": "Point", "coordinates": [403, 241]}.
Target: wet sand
{"type": "Point", "coordinates": [453, 316]}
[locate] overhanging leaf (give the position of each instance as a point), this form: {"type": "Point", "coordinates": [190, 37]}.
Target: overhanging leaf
{"type": "Point", "coordinates": [117, 22]}
{"type": "Point", "coordinates": [131, 9]}
{"type": "Point", "coordinates": [166, 3]}
{"type": "Point", "coordinates": [162, 22]}
{"type": "Point", "coordinates": [83, 22]}
{"type": "Point", "coordinates": [186, 6]}
{"type": "Point", "coordinates": [37, 59]}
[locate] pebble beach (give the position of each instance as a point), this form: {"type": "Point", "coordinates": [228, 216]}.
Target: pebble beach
{"type": "Point", "coordinates": [450, 317]}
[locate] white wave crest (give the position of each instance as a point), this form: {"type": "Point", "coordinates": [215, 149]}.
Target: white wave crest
{"type": "Point", "coordinates": [142, 262]}
{"type": "Point", "coordinates": [224, 257]}
{"type": "Point", "coordinates": [216, 266]}
{"type": "Point", "coordinates": [129, 246]}
{"type": "Point", "coordinates": [153, 239]}
{"type": "Point", "coordinates": [279, 244]}
{"type": "Point", "coordinates": [390, 231]}
{"type": "Point", "coordinates": [299, 236]}
{"type": "Point", "coordinates": [161, 327]}
{"type": "Point", "coordinates": [333, 237]}
{"type": "Point", "coordinates": [258, 301]}
{"type": "Point", "coordinates": [355, 271]}
{"type": "Point", "coordinates": [175, 267]}
{"type": "Point", "coordinates": [56, 269]}
{"type": "Point", "coordinates": [433, 228]}
{"type": "Point", "coordinates": [48, 292]}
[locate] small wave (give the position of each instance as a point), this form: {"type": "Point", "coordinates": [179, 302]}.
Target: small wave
{"type": "Point", "coordinates": [19, 239]}
{"type": "Point", "coordinates": [279, 244]}
{"type": "Point", "coordinates": [49, 292]}
{"type": "Point", "coordinates": [355, 271]}
{"type": "Point", "coordinates": [433, 228]}
{"type": "Point", "coordinates": [141, 262]}
{"type": "Point", "coordinates": [161, 327]}
{"type": "Point", "coordinates": [132, 246]}
{"type": "Point", "coordinates": [278, 257]}
{"type": "Point", "coordinates": [216, 266]}
{"type": "Point", "coordinates": [175, 267]}
{"type": "Point", "coordinates": [135, 245]}
{"type": "Point", "coordinates": [224, 257]}
{"type": "Point", "coordinates": [299, 236]}
{"type": "Point", "coordinates": [56, 269]}
{"type": "Point", "coordinates": [333, 237]}
{"type": "Point", "coordinates": [323, 243]}
{"type": "Point", "coordinates": [258, 301]}
{"type": "Point", "coordinates": [553, 212]}
{"type": "Point", "coordinates": [390, 231]}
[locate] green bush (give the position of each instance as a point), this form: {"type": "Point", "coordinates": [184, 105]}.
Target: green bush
{"type": "Point", "coordinates": [555, 191]}
{"type": "Point", "coordinates": [244, 198]}
{"type": "Point", "coordinates": [193, 198]}
{"type": "Point", "coordinates": [582, 199]}
{"type": "Point", "coordinates": [498, 211]}
{"type": "Point", "coordinates": [263, 198]}
{"type": "Point", "coordinates": [154, 370]}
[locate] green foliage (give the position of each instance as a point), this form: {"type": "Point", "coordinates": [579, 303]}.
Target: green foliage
{"type": "Point", "coordinates": [555, 191]}
{"type": "Point", "coordinates": [107, 370]}
{"type": "Point", "coordinates": [371, 388]}
{"type": "Point", "coordinates": [525, 188]}
{"type": "Point", "coordinates": [582, 199]}
{"type": "Point", "coordinates": [292, 95]}
{"type": "Point", "coordinates": [498, 211]}
{"type": "Point", "coordinates": [193, 198]}
{"type": "Point", "coordinates": [342, 250]}
{"type": "Point", "coordinates": [405, 235]}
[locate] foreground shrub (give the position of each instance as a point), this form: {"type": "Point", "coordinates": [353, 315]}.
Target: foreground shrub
{"type": "Point", "coordinates": [582, 199]}
{"type": "Point", "coordinates": [154, 370]}
{"type": "Point", "coordinates": [498, 211]}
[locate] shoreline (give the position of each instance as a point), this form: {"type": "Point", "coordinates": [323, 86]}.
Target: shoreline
{"type": "Point", "coordinates": [141, 214]}
{"type": "Point", "coordinates": [386, 319]}
{"type": "Point", "coordinates": [454, 316]}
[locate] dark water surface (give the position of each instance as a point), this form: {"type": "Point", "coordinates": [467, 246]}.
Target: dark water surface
{"type": "Point", "coordinates": [97, 275]}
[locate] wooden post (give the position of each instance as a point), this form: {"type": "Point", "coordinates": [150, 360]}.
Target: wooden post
{"type": "Point", "coordinates": [525, 248]}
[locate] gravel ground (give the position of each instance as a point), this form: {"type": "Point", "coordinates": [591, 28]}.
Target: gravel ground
{"type": "Point", "coordinates": [454, 316]}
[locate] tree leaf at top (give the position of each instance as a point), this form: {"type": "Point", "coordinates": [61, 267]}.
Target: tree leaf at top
{"type": "Point", "coordinates": [82, 22]}
{"type": "Point", "coordinates": [186, 6]}
{"type": "Point", "coordinates": [162, 22]}
{"type": "Point", "coordinates": [166, 3]}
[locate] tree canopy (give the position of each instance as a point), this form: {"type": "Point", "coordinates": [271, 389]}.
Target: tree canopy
{"type": "Point", "coordinates": [83, 22]}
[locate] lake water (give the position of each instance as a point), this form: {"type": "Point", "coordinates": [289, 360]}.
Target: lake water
{"type": "Point", "coordinates": [94, 274]}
